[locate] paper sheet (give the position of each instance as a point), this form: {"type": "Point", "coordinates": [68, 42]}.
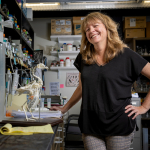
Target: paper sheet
{"type": "Point", "coordinates": [9, 130]}
{"type": "Point", "coordinates": [21, 114]}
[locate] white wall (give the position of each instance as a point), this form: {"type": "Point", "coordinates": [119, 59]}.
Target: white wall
{"type": "Point", "coordinates": [42, 41]}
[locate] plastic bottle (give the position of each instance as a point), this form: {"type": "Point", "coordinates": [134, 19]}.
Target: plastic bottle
{"type": "Point", "coordinates": [15, 82]}
{"type": "Point", "coordinates": [8, 80]}
{"type": "Point", "coordinates": [24, 55]}
{"type": "Point", "coordinates": [64, 47]}
{"type": "Point", "coordinates": [67, 62]}
{"type": "Point", "coordinates": [48, 102]}
{"type": "Point", "coordinates": [31, 60]}
{"type": "Point", "coordinates": [11, 17]}
{"type": "Point", "coordinates": [61, 63]}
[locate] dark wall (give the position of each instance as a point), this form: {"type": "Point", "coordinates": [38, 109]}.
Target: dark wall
{"type": "Point", "coordinates": [112, 13]}
{"type": "Point", "coordinates": [115, 14]}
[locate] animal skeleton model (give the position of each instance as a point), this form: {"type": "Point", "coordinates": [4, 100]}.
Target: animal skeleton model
{"type": "Point", "coordinates": [33, 89]}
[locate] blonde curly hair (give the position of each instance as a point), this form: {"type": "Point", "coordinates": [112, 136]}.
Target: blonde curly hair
{"type": "Point", "coordinates": [114, 44]}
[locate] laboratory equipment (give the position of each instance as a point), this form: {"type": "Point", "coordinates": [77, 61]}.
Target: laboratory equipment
{"type": "Point", "coordinates": [2, 81]}
{"type": "Point", "coordinates": [48, 102]}
{"type": "Point", "coordinates": [8, 85]}
{"type": "Point", "coordinates": [15, 82]}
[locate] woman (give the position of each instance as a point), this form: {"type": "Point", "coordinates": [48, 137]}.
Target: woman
{"type": "Point", "coordinates": [107, 70]}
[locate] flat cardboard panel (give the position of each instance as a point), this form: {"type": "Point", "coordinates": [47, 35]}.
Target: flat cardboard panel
{"type": "Point", "coordinates": [78, 20]}
{"type": "Point", "coordinates": [134, 33]}
{"type": "Point", "coordinates": [147, 29]}
{"type": "Point", "coordinates": [67, 30]}
{"type": "Point", "coordinates": [68, 22]}
{"type": "Point", "coordinates": [135, 22]}
{"type": "Point", "coordinates": [61, 30]}
{"type": "Point", "coordinates": [77, 29]}
{"type": "Point", "coordinates": [61, 22]}
{"type": "Point", "coordinates": [55, 30]}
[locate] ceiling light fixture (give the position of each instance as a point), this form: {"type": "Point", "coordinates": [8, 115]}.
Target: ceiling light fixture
{"type": "Point", "coordinates": [146, 1]}
{"type": "Point", "coordinates": [41, 4]}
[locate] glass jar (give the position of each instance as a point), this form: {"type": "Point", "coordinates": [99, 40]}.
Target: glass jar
{"type": "Point", "coordinates": [67, 62]}
{"type": "Point", "coordinates": [64, 46]}
{"type": "Point", "coordinates": [74, 48]}
{"type": "Point", "coordinates": [69, 47]}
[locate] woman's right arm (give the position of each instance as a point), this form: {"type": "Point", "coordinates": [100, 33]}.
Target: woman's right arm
{"type": "Point", "coordinates": [73, 100]}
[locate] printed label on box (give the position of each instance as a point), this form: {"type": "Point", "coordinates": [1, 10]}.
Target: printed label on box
{"type": "Point", "coordinates": [58, 29]}
{"type": "Point", "coordinates": [78, 27]}
{"type": "Point", "coordinates": [62, 22]}
{"type": "Point", "coordinates": [68, 22]}
{"type": "Point", "coordinates": [57, 22]}
{"type": "Point", "coordinates": [132, 22]}
{"type": "Point", "coordinates": [68, 29]}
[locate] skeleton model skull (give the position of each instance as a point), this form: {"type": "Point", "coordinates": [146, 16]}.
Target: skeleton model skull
{"type": "Point", "coordinates": [33, 89]}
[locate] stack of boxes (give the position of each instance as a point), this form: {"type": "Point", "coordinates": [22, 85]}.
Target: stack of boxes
{"type": "Point", "coordinates": [77, 25]}
{"type": "Point", "coordinates": [61, 27]}
{"type": "Point", "coordinates": [134, 27]}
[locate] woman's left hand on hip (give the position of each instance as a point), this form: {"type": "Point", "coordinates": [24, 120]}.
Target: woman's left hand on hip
{"type": "Point", "coordinates": [135, 110]}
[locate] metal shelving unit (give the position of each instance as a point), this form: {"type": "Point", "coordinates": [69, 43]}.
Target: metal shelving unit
{"type": "Point", "coordinates": [22, 21]}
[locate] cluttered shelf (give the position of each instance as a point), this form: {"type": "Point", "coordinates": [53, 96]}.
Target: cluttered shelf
{"type": "Point", "coordinates": [15, 34]}
{"type": "Point", "coordinates": [19, 62]}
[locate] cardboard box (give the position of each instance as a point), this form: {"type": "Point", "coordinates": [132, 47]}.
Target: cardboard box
{"type": "Point", "coordinates": [147, 29]}
{"type": "Point", "coordinates": [61, 30]}
{"type": "Point", "coordinates": [56, 30]}
{"type": "Point", "coordinates": [67, 30]}
{"type": "Point", "coordinates": [68, 22]}
{"type": "Point", "coordinates": [55, 22]}
{"type": "Point", "coordinates": [77, 20]}
{"type": "Point", "coordinates": [134, 33]}
{"type": "Point", "coordinates": [135, 22]}
{"type": "Point", "coordinates": [62, 22]}
{"type": "Point", "coordinates": [77, 29]}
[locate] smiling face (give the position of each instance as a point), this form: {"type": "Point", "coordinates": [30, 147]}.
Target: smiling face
{"type": "Point", "coordinates": [96, 32]}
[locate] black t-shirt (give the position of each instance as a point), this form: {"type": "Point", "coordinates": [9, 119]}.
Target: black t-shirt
{"type": "Point", "coordinates": [106, 91]}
